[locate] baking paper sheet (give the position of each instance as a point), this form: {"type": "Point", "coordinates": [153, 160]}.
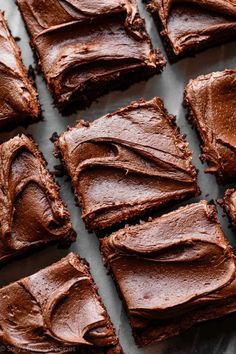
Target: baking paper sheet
{"type": "Point", "coordinates": [215, 337]}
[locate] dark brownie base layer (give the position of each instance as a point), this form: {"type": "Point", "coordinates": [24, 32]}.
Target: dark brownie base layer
{"type": "Point", "coordinates": [96, 90]}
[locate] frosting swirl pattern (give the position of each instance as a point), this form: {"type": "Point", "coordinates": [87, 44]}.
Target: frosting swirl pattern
{"type": "Point", "coordinates": [190, 25]}
{"type": "Point", "coordinates": [31, 210]}
{"type": "Point", "coordinates": [18, 99]}
{"type": "Point", "coordinates": [211, 100]}
{"type": "Point", "coordinates": [172, 272]}
{"type": "Point", "coordinates": [86, 46]}
{"type": "Point", "coordinates": [126, 163]}
{"type": "Point", "coordinates": [56, 310]}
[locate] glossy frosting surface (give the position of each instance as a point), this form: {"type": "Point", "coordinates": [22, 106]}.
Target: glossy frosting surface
{"type": "Point", "coordinates": [189, 25]}
{"type": "Point", "coordinates": [211, 100]}
{"type": "Point", "coordinates": [126, 163]}
{"type": "Point", "coordinates": [18, 98]}
{"type": "Point", "coordinates": [31, 210]}
{"type": "Point", "coordinates": [173, 271]}
{"type": "Point", "coordinates": [56, 310]}
{"type": "Point", "coordinates": [83, 43]}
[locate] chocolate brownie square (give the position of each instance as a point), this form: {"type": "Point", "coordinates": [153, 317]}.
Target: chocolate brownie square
{"type": "Point", "coordinates": [211, 102]}
{"type": "Point", "coordinates": [172, 272]}
{"type": "Point", "coordinates": [32, 213]}
{"type": "Point", "coordinates": [18, 98]}
{"type": "Point", "coordinates": [126, 163]}
{"type": "Point", "coordinates": [56, 310]}
{"type": "Point", "coordinates": [192, 25]}
{"type": "Point", "coordinates": [86, 48]}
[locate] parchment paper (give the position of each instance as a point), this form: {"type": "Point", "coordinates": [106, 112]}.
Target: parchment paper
{"type": "Point", "coordinates": [215, 337]}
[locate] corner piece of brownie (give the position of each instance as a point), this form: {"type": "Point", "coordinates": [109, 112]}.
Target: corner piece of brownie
{"type": "Point", "coordinates": [56, 310]}
{"type": "Point", "coordinates": [18, 99]}
{"type": "Point", "coordinates": [211, 102]}
{"type": "Point", "coordinates": [31, 210]}
{"type": "Point", "coordinates": [86, 48]}
{"type": "Point", "coordinates": [126, 163]}
{"type": "Point", "coordinates": [188, 26]}
{"type": "Point", "coordinates": [172, 272]}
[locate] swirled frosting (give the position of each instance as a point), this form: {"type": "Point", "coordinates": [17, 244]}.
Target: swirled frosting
{"type": "Point", "coordinates": [173, 271]}
{"type": "Point", "coordinates": [18, 98]}
{"type": "Point", "coordinates": [211, 100]}
{"type": "Point", "coordinates": [127, 162]}
{"type": "Point", "coordinates": [56, 310]}
{"type": "Point", "coordinates": [31, 210]}
{"type": "Point", "coordinates": [190, 25]}
{"type": "Point", "coordinates": [85, 47]}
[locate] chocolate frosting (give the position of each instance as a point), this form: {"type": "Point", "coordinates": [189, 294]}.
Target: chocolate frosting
{"type": "Point", "coordinates": [211, 100]}
{"type": "Point", "coordinates": [229, 203]}
{"type": "Point", "coordinates": [83, 46]}
{"type": "Point", "coordinates": [31, 210]}
{"type": "Point", "coordinates": [56, 310]}
{"type": "Point", "coordinates": [18, 98]}
{"type": "Point", "coordinates": [173, 271]}
{"type": "Point", "coordinates": [190, 25]}
{"type": "Point", "coordinates": [127, 162]}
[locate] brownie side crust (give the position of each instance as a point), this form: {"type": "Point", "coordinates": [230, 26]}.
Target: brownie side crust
{"type": "Point", "coordinates": [86, 49]}
{"type": "Point", "coordinates": [32, 213]}
{"type": "Point", "coordinates": [126, 163]}
{"type": "Point", "coordinates": [18, 98]}
{"type": "Point", "coordinates": [172, 272]}
{"type": "Point", "coordinates": [189, 26]}
{"type": "Point", "coordinates": [56, 310]}
{"type": "Point", "coordinates": [211, 103]}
